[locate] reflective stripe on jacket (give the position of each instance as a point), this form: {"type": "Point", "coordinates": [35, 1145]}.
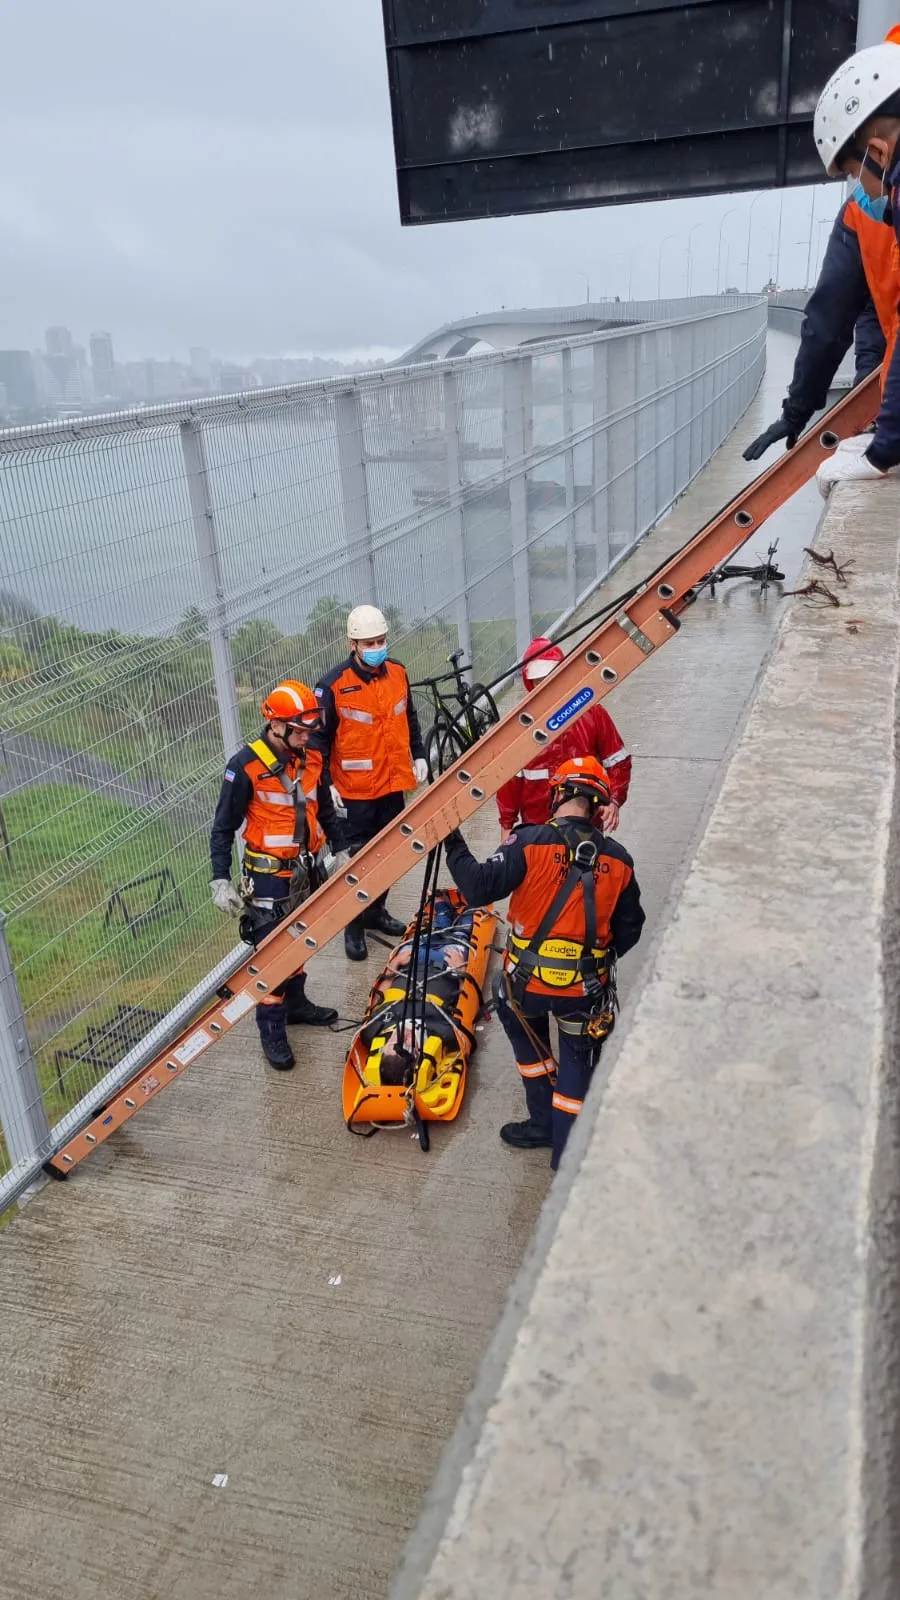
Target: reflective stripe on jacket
{"type": "Point", "coordinates": [526, 797]}
{"type": "Point", "coordinates": [371, 729]}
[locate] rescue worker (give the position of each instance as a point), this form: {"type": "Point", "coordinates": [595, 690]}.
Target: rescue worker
{"type": "Point", "coordinates": [274, 789]}
{"type": "Point", "coordinates": [857, 132]}
{"type": "Point", "coordinates": [857, 289]}
{"type": "Point", "coordinates": [374, 749]}
{"type": "Point", "coordinates": [575, 906]}
{"type": "Point", "coordinates": [526, 797]}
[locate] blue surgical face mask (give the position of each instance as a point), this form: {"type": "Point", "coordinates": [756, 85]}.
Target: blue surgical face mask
{"type": "Point", "coordinates": [375, 658]}
{"type": "Point", "coordinates": [872, 208]}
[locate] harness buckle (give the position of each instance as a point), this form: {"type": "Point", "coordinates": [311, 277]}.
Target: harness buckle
{"type": "Point", "coordinates": [585, 855]}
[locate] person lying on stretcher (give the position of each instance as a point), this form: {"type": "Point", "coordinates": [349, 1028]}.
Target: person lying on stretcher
{"type": "Point", "coordinates": [449, 944]}
{"type": "Point", "coordinates": [448, 955]}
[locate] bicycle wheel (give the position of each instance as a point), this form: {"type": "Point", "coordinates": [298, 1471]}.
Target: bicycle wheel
{"type": "Point", "coordinates": [444, 743]}
{"type": "Point", "coordinates": [484, 706]}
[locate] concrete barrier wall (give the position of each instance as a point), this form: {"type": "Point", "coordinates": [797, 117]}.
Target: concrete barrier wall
{"type": "Point", "coordinates": [693, 1391]}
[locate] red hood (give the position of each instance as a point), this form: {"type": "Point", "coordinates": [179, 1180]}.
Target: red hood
{"type": "Point", "coordinates": [543, 649]}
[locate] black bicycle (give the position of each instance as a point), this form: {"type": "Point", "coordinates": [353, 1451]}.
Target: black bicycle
{"type": "Point", "coordinates": [461, 714]}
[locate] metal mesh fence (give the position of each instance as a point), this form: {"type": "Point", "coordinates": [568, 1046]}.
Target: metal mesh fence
{"type": "Point", "coordinates": [161, 570]}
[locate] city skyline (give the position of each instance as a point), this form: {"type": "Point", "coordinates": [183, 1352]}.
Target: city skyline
{"type": "Point", "coordinates": [65, 378]}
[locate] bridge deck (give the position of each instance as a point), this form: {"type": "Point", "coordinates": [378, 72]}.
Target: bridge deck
{"type": "Point", "coordinates": [169, 1314]}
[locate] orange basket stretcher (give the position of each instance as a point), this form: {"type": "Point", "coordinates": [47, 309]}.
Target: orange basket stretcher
{"type": "Point", "coordinates": [442, 1036]}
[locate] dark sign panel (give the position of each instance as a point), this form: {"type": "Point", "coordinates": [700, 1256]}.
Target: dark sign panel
{"type": "Point", "coordinates": [508, 106]}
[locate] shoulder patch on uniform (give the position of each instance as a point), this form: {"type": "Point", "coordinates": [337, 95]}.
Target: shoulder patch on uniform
{"type": "Point", "coordinates": [229, 775]}
{"type": "Point", "coordinates": [318, 691]}
{"type": "Point", "coordinates": [511, 839]}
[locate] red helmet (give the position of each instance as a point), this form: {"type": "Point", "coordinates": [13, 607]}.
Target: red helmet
{"type": "Point", "coordinates": [294, 703]}
{"type": "Point", "coordinates": [539, 659]}
{"type": "Point", "coordinates": [583, 777]}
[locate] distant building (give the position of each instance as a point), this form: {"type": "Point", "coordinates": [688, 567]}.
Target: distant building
{"type": "Point", "coordinates": [234, 379]}
{"type": "Point", "coordinates": [18, 379]}
{"type": "Point", "coordinates": [201, 366]}
{"type": "Point", "coordinates": [69, 377]}
{"type": "Point", "coordinates": [103, 366]}
{"type": "Point", "coordinates": [58, 342]}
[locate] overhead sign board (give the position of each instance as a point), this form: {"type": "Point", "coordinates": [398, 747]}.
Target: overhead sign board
{"type": "Point", "coordinates": [512, 106]}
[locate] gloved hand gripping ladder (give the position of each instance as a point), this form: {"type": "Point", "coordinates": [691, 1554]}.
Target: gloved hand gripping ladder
{"type": "Point", "coordinates": [646, 619]}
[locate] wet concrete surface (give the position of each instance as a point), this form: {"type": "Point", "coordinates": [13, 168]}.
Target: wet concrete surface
{"type": "Point", "coordinates": [171, 1313]}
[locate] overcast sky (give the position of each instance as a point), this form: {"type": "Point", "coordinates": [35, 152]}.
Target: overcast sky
{"type": "Point", "coordinates": [204, 172]}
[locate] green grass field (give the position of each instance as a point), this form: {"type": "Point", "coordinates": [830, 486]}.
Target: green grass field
{"type": "Point", "coordinates": [73, 967]}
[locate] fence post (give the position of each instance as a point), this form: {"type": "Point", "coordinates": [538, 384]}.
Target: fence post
{"type": "Point", "coordinates": [193, 450]}
{"type": "Point", "coordinates": [569, 470]}
{"type": "Point", "coordinates": [516, 440]}
{"type": "Point", "coordinates": [622, 380]}
{"type": "Point", "coordinates": [456, 517]}
{"type": "Point", "coordinates": [603, 400]}
{"type": "Point", "coordinates": [355, 496]}
{"type": "Point", "coordinates": [22, 1115]}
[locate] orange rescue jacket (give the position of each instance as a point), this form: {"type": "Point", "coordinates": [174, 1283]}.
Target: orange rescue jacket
{"type": "Point", "coordinates": [284, 802]}
{"type": "Point", "coordinates": [371, 729]}
{"type": "Point", "coordinates": [548, 863]}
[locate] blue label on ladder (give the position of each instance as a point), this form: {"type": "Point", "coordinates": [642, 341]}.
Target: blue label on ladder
{"type": "Point", "coordinates": [562, 716]}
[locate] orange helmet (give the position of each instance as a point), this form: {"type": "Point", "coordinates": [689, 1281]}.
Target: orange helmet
{"type": "Point", "coordinates": [584, 778]}
{"type": "Point", "coordinates": [294, 703]}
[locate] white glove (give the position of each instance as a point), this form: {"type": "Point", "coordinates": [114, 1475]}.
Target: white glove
{"type": "Point", "coordinates": [847, 465]}
{"type": "Point", "coordinates": [420, 768]}
{"type": "Point", "coordinates": [337, 800]}
{"type": "Point", "coordinates": [857, 444]}
{"type": "Point", "coordinates": [339, 862]}
{"type": "Point", "coordinates": [226, 898]}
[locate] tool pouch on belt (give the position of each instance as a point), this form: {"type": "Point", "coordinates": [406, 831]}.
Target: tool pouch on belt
{"type": "Point", "coordinates": [306, 875]}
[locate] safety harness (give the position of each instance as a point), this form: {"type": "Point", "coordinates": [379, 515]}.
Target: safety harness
{"type": "Point", "coordinates": [561, 963]}
{"type": "Point", "coordinates": [304, 868]}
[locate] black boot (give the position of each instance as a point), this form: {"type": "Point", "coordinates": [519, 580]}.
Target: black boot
{"type": "Point", "coordinates": [379, 918]}
{"type": "Point", "coordinates": [526, 1135]}
{"type": "Point", "coordinates": [270, 1021]}
{"type": "Point", "coordinates": [302, 1010]}
{"type": "Point", "coordinates": [355, 947]}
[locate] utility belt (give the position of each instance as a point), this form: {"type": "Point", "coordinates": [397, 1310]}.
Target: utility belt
{"type": "Point", "coordinates": [559, 963]}
{"type": "Point", "coordinates": [302, 872]}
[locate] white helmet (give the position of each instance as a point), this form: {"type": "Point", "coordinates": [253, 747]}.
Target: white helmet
{"type": "Point", "coordinates": [367, 622]}
{"type": "Point", "coordinates": [854, 93]}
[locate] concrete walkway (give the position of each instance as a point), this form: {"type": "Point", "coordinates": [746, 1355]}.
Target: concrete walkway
{"type": "Point", "coordinates": [170, 1315]}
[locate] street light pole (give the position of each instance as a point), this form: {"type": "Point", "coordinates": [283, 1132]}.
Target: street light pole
{"type": "Point", "coordinates": [729, 213]}
{"type": "Point", "coordinates": [666, 240]}
{"type": "Point", "coordinates": [812, 214]}
{"type": "Point", "coordinates": [691, 232]}
{"type": "Point", "coordinates": [749, 234]}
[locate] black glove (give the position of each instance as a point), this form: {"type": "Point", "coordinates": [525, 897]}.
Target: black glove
{"type": "Point", "coordinates": [338, 838]}
{"type": "Point", "coordinates": [782, 429]}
